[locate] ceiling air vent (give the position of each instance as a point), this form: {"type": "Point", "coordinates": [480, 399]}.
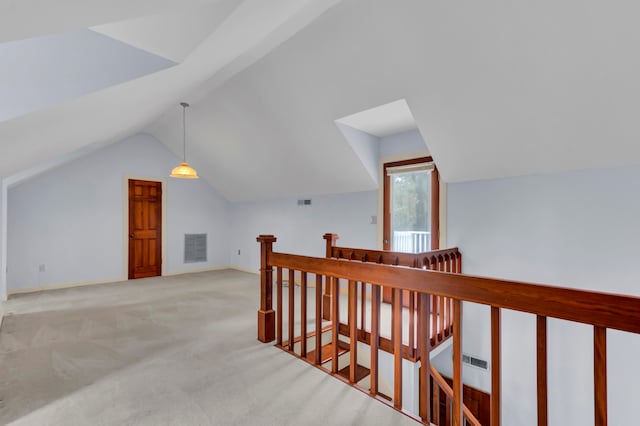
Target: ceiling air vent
{"type": "Point", "coordinates": [304, 202]}
{"type": "Point", "coordinates": [475, 362]}
{"type": "Point", "coordinates": [195, 248]}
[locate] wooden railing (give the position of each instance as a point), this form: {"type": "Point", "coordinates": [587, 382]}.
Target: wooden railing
{"type": "Point", "coordinates": [447, 260]}
{"type": "Point", "coordinates": [601, 310]}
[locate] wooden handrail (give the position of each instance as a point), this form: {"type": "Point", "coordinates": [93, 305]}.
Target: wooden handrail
{"type": "Point", "coordinates": [606, 310]}
{"type": "Point", "coordinates": [440, 382]}
{"type": "Point", "coordinates": [601, 310]}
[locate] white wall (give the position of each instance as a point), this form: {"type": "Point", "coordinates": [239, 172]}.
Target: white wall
{"type": "Point", "coordinates": [71, 218]}
{"type": "Point", "coordinates": [3, 242]}
{"type": "Point", "coordinates": [299, 229]}
{"type": "Point", "coordinates": [578, 229]}
{"type": "Point", "coordinates": [366, 146]}
{"type": "Point", "coordinates": [404, 143]}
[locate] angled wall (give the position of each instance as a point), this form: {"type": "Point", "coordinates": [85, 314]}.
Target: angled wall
{"type": "Point", "coordinates": [578, 230]}
{"type": "Point", "coordinates": [68, 225]}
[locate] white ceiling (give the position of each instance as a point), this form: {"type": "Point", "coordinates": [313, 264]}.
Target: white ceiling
{"type": "Point", "coordinates": [384, 120]}
{"type": "Point", "coordinates": [496, 89]}
{"type": "Point", "coordinates": [76, 63]}
{"type": "Point", "coordinates": [171, 35]}
{"type": "Point", "coordinates": [108, 115]}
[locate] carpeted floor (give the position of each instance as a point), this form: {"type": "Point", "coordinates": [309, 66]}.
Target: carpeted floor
{"type": "Point", "coordinates": [162, 351]}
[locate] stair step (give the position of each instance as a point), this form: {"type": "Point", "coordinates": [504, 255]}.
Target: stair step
{"type": "Point", "coordinates": [361, 372]}
{"type": "Point", "coordinates": [327, 352]}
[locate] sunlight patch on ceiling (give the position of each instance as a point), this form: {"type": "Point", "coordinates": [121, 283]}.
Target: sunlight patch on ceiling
{"type": "Point", "coordinates": [383, 120]}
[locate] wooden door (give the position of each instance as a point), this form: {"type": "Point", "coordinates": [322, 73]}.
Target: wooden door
{"type": "Point", "coordinates": [145, 229]}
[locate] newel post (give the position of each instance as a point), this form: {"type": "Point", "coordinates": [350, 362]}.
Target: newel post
{"type": "Point", "coordinates": [266, 314]}
{"type": "Point", "coordinates": [326, 297]}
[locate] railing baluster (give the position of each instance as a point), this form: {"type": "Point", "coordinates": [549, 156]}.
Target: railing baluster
{"type": "Point", "coordinates": [353, 330]}
{"type": "Point", "coordinates": [600, 374]}
{"type": "Point", "coordinates": [375, 333]}
{"type": "Point", "coordinates": [363, 306]}
{"type": "Point", "coordinates": [435, 320]}
{"type": "Point", "coordinates": [448, 307]}
{"type": "Point", "coordinates": [279, 306]}
{"type": "Point", "coordinates": [435, 414]}
{"type": "Point", "coordinates": [436, 323]}
{"type": "Point", "coordinates": [292, 291]}
{"type": "Point", "coordinates": [442, 317]}
{"type": "Point", "coordinates": [444, 312]}
{"type": "Point", "coordinates": [412, 320]}
{"type": "Point", "coordinates": [326, 298]}
{"type": "Point", "coordinates": [318, 353]}
{"type": "Point", "coordinates": [335, 322]}
{"type": "Point", "coordinates": [424, 345]}
{"type": "Point", "coordinates": [303, 315]}
{"type": "Point", "coordinates": [457, 362]}
{"type": "Point", "coordinates": [396, 335]}
{"type": "Point", "coordinates": [495, 366]}
{"type": "Point", "coordinates": [541, 356]}
{"type": "Point", "coordinates": [450, 321]}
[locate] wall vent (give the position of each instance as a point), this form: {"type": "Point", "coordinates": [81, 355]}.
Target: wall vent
{"type": "Point", "coordinates": [475, 362]}
{"type": "Point", "coordinates": [304, 202]}
{"type": "Point", "coordinates": [195, 248]}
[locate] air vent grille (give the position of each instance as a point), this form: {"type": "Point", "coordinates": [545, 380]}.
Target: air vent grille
{"type": "Point", "coordinates": [304, 202]}
{"type": "Point", "coordinates": [476, 362]}
{"type": "Point", "coordinates": [195, 248]}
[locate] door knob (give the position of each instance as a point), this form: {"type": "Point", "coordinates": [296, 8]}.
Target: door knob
{"type": "Point", "coordinates": [131, 235]}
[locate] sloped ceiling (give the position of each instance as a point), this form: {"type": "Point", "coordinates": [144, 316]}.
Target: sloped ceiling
{"type": "Point", "coordinates": [248, 32]}
{"type": "Point", "coordinates": [496, 88]}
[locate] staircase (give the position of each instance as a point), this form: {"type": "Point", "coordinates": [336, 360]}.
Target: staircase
{"type": "Point", "coordinates": [365, 340]}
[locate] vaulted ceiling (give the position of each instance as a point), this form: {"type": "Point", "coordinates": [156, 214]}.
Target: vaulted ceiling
{"type": "Point", "coordinates": [496, 88]}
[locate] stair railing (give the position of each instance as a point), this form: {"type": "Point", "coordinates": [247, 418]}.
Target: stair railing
{"type": "Point", "coordinates": [601, 310]}
{"type": "Point", "coordinates": [445, 260]}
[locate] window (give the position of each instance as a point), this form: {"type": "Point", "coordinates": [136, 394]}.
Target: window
{"type": "Point", "coordinates": [411, 205]}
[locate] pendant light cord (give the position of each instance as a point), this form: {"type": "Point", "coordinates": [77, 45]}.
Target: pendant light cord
{"type": "Point", "coordinates": [184, 131]}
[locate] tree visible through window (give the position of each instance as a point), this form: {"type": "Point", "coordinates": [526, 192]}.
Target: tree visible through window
{"type": "Point", "coordinates": [409, 203]}
{"type": "Point", "coordinates": [411, 196]}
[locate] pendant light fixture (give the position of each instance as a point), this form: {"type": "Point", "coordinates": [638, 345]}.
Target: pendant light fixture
{"type": "Point", "coordinates": [184, 171]}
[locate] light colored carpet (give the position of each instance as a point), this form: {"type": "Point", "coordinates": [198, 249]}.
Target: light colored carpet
{"type": "Point", "coordinates": [162, 351]}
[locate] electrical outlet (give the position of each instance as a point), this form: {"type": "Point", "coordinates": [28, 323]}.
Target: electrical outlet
{"type": "Point", "coordinates": [238, 252]}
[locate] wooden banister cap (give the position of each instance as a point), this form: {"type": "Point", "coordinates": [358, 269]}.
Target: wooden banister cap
{"type": "Point", "coordinates": [330, 236]}
{"type": "Point", "coordinates": [266, 239]}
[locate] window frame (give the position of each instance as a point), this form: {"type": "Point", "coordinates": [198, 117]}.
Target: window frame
{"type": "Point", "coordinates": [435, 201]}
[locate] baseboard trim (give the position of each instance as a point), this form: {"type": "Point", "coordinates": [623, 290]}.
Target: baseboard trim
{"type": "Point", "coordinates": [195, 271]}
{"type": "Point", "coordinates": [248, 271]}
{"type": "Point", "coordinates": [15, 291]}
